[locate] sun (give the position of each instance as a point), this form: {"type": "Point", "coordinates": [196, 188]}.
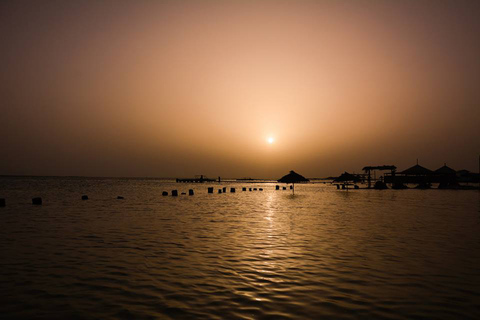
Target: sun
{"type": "Point", "coordinates": [270, 140]}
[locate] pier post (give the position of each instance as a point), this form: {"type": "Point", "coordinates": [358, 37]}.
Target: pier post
{"type": "Point", "coordinates": [174, 193]}
{"type": "Point", "coordinates": [190, 192]}
{"type": "Point", "coordinates": [219, 190]}
{"type": "Point", "coordinates": [244, 189]}
{"type": "Point", "coordinates": [2, 202]}
{"type": "Point", "coordinates": [232, 190]}
{"type": "Point", "coordinates": [37, 201]}
{"type": "Point", "coordinates": [84, 197]}
{"type": "Point", "coordinates": [120, 198]}
{"type": "Point", "coordinates": [284, 188]}
{"type": "Point", "coordinates": [249, 189]}
{"type": "Point", "coordinates": [277, 187]}
{"type": "Point", "coordinates": [210, 189]}
{"type": "Point", "coordinates": [164, 193]}
{"type": "Point", "coordinates": [224, 189]}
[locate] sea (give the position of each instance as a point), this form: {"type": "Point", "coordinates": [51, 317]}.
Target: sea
{"type": "Point", "coordinates": [320, 253]}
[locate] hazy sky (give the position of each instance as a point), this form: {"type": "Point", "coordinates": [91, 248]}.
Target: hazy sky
{"type": "Point", "coordinates": [178, 88]}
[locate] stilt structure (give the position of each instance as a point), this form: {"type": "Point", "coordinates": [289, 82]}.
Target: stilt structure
{"type": "Point", "coordinates": [369, 169]}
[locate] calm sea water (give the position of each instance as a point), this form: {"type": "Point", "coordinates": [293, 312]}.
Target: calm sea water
{"type": "Point", "coordinates": [399, 254]}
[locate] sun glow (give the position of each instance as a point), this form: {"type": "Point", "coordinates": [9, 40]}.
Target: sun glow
{"type": "Point", "coordinates": [270, 140]}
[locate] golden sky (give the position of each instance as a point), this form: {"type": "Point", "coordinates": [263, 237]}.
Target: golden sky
{"type": "Point", "coordinates": [178, 88]}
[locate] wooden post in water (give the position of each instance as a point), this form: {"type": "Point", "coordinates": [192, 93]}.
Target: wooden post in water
{"type": "Point", "coordinates": [2, 202]}
{"type": "Point", "coordinates": [210, 189]}
{"type": "Point", "coordinates": [174, 193]}
{"type": "Point", "coordinates": [37, 201]}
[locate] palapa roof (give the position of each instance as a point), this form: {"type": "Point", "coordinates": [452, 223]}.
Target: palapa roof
{"type": "Point", "coordinates": [344, 177]}
{"type": "Point", "coordinates": [293, 177]}
{"type": "Point", "coordinates": [445, 170]}
{"type": "Point", "coordinates": [417, 170]}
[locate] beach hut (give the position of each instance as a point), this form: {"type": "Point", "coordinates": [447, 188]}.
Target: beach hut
{"type": "Point", "coordinates": [417, 174]}
{"type": "Point", "coordinates": [445, 176]}
{"type": "Point", "coordinates": [293, 178]}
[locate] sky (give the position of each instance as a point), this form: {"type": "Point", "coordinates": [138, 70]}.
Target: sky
{"type": "Point", "coordinates": [237, 88]}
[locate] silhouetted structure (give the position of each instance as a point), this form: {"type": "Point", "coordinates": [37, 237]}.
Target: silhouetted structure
{"type": "Point", "coordinates": [120, 198]}
{"type": "Point", "coordinates": [277, 187]}
{"type": "Point", "coordinates": [398, 186]}
{"type": "Point", "coordinates": [445, 171]}
{"type": "Point", "coordinates": [37, 201]}
{"type": "Point", "coordinates": [368, 170]}
{"type": "Point", "coordinates": [467, 176]}
{"type": "Point", "coordinates": [2, 202]}
{"type": "Point", "coordinates": [446, 177]}
{"type": "Point", "coordinates": [164, 193]}
{"type": "Point", "coordinates": [219, 190]}
{"type": "Point", "coordinates": [345, 178]}
{"type": "Point", "coordinates": [293, 178]}
{"type": "Point", "coordinates": [380, 185]}
{"type": "Point", "coordinates": [210, 190]}
{"type": "Point", "coordinates": [174, 193]}
{"type": "Point", "coordinates": [244, 189]}
{"type": "Point", "coordinates": [197, 179]}
{"type": "Point", "coordinates": [416, 174]}
{"type": "Point", "coordinates": [424, 185]}
{"type": "Point", "coordinates": [190, 192]}
{"type": "Point", "coordinates": [84, 197]}
{"type": "Point", "coordinates": [224, 189]}
{"type": "Point", "coordinates": [232, 190]}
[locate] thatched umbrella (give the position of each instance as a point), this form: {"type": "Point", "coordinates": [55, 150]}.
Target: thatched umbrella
{"type": "Point", "coordinates": [346, 177]}
{"type": "Point", "coordinates": [293, 178]}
